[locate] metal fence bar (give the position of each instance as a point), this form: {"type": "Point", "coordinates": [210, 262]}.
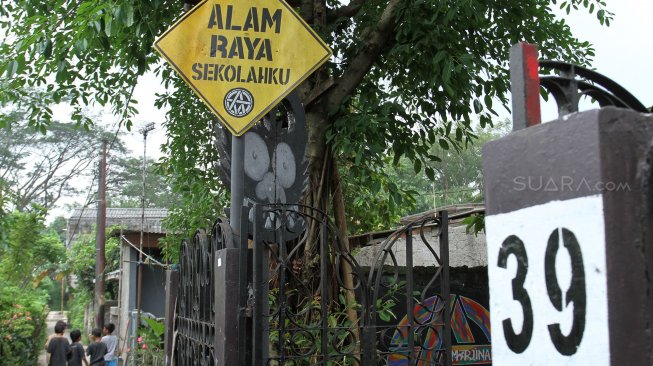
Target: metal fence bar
{"type": "Point", "coordinates": [243, 288]}
{"type": "Point", "coordinates": [259, 336]}
{"type": "Point", "coordinates": [324, 289]}
{"type": "Point", "coordinates": [445, 283]}
{"type": "Point", "coordinates": [379, 341]}
{"type": "Point", "coordinates": [283, 259]}
{"type": "Point", "coordinates": [524, 86]}
{"type": "Point", "coordinates": [410, 303]}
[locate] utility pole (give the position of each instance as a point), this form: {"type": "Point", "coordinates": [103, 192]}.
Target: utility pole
{"type": "Point", "coordinates": [100, 238]}
{"type": "Point", "coordinates": [63, 291]}
{"type": "Point", "coordinates": [147, 128]}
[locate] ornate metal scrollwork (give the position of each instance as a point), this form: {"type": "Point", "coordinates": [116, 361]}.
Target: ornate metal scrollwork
{"type": "Point", "coordinates": [423, 335]}
{"type": "Point", "coordinates": [341, 316]}
{"type": "Point", "coordinates": [573, 82]}
{"type": "Point", "coordinates": [195, 316]}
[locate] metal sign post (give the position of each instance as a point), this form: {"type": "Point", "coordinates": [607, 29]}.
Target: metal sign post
{"type": "Point", "coordinates": [237, 186]}
{"type": "Point", "coordinates": [241, 59]}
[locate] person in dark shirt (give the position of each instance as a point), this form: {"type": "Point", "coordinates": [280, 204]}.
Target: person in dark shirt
{"type": "Point", "coordinates": [58, 346]}
{"type": "Point", "coordinates": [96, 350]}
{"type": "Point", "coordinates": [76, 350]}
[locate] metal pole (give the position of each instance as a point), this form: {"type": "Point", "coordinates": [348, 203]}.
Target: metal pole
{"type": "Point", "coordinates": [237, 186]}
{"type": "Point", "coordinates": [139, 291]}
{"type": "Point", "coordinates": [133, 329]}
{"type": "Point", "coordinates": [100, 239]}
{"type": "Point", "coordinates": [63, 291]}
{"type": "Point", "coordinates": [524, 86]}
{"type": "Point", "coordinates": [445, 284]}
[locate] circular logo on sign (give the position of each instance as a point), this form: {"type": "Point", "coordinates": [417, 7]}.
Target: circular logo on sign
{"type": "Point", "coordinates": [238, 102]}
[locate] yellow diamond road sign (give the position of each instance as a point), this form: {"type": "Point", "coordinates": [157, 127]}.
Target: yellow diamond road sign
{"type": "Point", "coordinates": [242, 57]}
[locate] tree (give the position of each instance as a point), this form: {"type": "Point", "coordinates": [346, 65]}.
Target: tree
{"type": "Point", "coordinates": [41, 168]}
{"type": "Point", "coordinates": [81, 259]}
{"type": "Point", "coordinates": [457, 179]}
{"type": "Point", "coordinates": [407, 74]}
{"type": "Point", "coordinates": [28, 250]}
{"type": "Point", "coordinates": [25, 252]}
{"type": "Point", "coordinates": [125, 185]}
{"type": "Point", "coordinates": [58, 226]}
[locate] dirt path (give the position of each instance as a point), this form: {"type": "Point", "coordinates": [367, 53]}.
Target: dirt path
{"type": "Point", "coordinates": [51, 320]}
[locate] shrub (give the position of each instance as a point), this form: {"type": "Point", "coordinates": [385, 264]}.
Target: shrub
{"type": "Point", "coordinates": [22, 325]}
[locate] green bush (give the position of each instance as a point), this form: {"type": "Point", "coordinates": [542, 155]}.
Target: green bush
{"type": "Point", "coordinates": [22, 325]}
{"type": "Point", "coordinates": [81, 298]}
{"type": "Point", "coordinates": [149, 348]}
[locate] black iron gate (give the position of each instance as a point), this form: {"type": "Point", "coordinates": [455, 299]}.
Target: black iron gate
{"type": "Point", "coordinates": [194, 342]}
{"type": "Point", "coordinates": [310, 301]}
{"type": "Point", "coordinates": [315, 304]}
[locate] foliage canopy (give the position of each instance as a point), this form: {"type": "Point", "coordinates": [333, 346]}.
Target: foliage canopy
{"type": "Point", "coordinates": [406, 74]}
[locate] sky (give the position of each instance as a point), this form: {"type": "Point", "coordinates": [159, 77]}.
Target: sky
{"type": "Point", "coordinates": [623, 50]}
{"type": "Point", "coordinates": [623, 53]}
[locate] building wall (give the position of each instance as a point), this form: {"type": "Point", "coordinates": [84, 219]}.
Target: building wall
{"type": "Point", "coordinates": [127, 287]}
{"type": "Point", "coordinates": [153, 296]}
{"type": "Point", "coordinates": [465, 250]}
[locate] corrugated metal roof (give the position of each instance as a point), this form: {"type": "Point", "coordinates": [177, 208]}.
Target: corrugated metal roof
{"type": "Point", "coordinates": [454, 211]}
{"type": "Point", "coordinates": [82, 221]}
{"type": "Point", "coordinates": [121, 213]}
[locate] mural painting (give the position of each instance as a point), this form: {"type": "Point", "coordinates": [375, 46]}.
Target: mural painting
{"type": "Point", "coordinates": [470, 325]}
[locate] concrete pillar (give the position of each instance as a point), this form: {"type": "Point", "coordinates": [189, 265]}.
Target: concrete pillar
{"type": "Point", "coordinates": [226, 306]}
{"type": "Point", "coordinates": [570, 241]}
{"type": "Point", "coordinates": [172, 288]}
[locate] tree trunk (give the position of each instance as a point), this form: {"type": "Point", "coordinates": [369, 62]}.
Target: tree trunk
{"type": "Point", "coordinates": [346, 271]}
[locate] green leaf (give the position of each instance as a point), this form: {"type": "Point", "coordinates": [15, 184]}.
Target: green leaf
{"type": "Point", "coordinates": [127, 12]}
{"type": "Point", "coordinates": [157, 327]}
{"type": "Point", "coordinates": [12, 68]}
{"type": "Point", "coordinates": [446, 72]}
{"type": "Point", "coordinates": [47, 48]}
{"type": "Point", "coordinates": [417, 166]}
{"type": "Point", "coordinates": [430, 173]}
{"type": "Point", "coordinates": [488, 101]}
{"type": "Point", "coordinates": [477, 106]}
{"type": "Point", "coordinates": [444, 144]}
{"type": "Point", "coordinates": [107, 24]}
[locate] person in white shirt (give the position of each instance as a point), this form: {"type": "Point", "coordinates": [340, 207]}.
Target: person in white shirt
{"type": "Point", "coordinates": [110, 359]}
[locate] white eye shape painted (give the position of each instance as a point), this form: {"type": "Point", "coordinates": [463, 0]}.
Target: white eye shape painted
{"type": "Point", "coordinates": [257, 157]}
{"type": "Point", "coordinates": [284, 165]}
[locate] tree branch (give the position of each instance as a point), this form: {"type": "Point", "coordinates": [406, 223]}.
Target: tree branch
{"type": "Point", "coordinates": [375, 40]}
{"type": "Point", "coordinates": [346, 11]}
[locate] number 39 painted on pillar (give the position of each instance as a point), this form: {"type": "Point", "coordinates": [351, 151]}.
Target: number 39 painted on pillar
{"type": "Point", "coordinates": [548, 291]}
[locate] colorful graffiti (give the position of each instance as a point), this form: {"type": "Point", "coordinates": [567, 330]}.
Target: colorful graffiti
{"type": "Point", "coordinates": [467, 350]}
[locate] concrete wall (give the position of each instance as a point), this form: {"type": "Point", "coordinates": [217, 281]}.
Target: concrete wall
{"type": "Point", "coordinates": [153, 295]}
{"type": "Point", "coordinates": [465, 250]}
{"type": "Point", "coordinates": [127, 288]}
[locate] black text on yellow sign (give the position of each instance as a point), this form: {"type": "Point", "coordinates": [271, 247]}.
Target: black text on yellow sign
{"type": "Point", "coordinates": [242, 58]}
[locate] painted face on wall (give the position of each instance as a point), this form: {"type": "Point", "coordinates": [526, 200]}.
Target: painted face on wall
{"type": "Point", "coordinates": [274, 165]}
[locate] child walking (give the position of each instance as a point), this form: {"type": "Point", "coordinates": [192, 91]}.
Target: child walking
{"type": "Point", "coordinates": [111, 341]}
{"type": "Point", "coordinates": [58, 346]}
{"type": "Point", "coordinates": [96, 350]}
{"type": "Point", "coordinates": [76, 349]}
